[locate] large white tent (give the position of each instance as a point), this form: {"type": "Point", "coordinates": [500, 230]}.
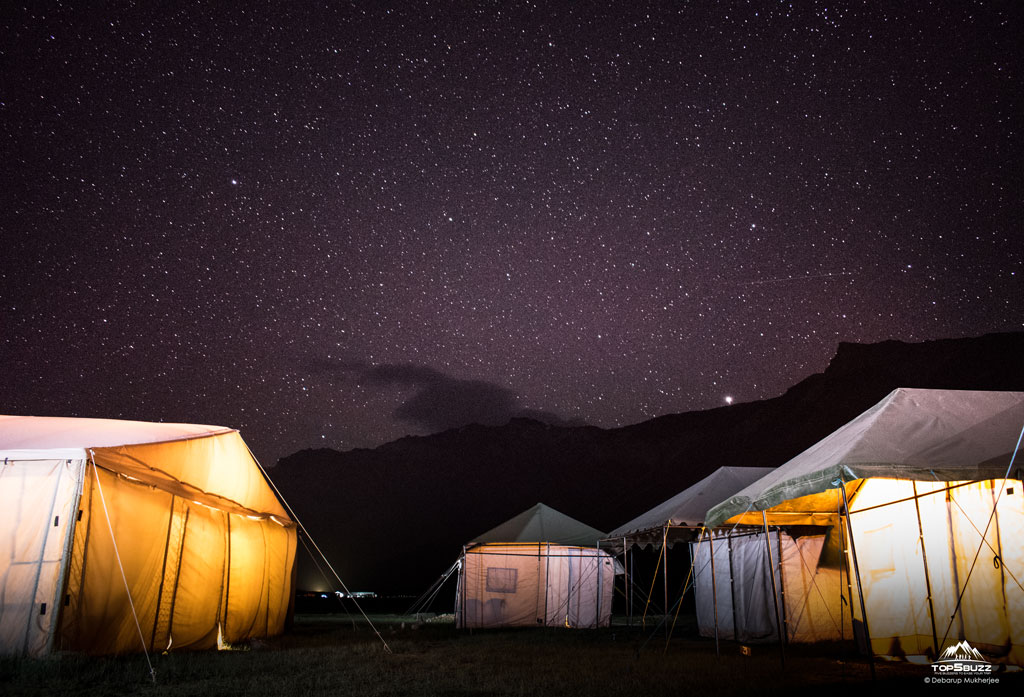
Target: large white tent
{"type": "Point", "coordinates": [685, 511]}
{"type": "Point", "coordinates": [531, 571]}
{"type": "Point", "coordinates": [121, 536]}
{"type": "Point", "coordinates": [936, 510]}
{"type": "Point", "coordinates": [680, 517]}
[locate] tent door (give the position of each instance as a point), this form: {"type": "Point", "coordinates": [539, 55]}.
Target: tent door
{"type": "Point", "coordinates": [38, 507]}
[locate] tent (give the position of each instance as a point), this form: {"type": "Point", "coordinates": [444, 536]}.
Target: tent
{"type": "Point", "coordinates": [118, 536]}
{"type": "Point", "coordinates": [680, 518]}
{"type": "Point", "coordinates": [923, 495]}
{"type": "Point", "coordinates": [734, 593]}
{"type": "Point", "coordinates": [684, 513]}
{"type": "Point", "coordinates": [532, 571]}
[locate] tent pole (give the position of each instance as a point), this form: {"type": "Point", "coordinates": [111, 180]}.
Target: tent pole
{"type": "Point", "coordinates": [664, 573]}
{"type": "Point", "coordinates": [462, 589]}
{"type": "Point", "coordinates": [860, 587]}
{"type": "Point", "coordinates": [732, 583]}
{"type": "Point", "coordinates": [927, 576]}
{"type": "Point", "coordinates": [69, 544]}
{"type": "Point", "coordinates": [782, 585]}
{"type": "Point", "coordinates": [547, 575]}
{"type": "Point", "coordinates": [775, 593]}
{"type": "Point", "coordinates": [632, 584]}
{"type": "Point", "coordinates": [625, 581]}
{"type": "Point", "coordinates": [714, 589]}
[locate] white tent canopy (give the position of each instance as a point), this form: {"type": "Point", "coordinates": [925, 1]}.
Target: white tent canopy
{"type": "Point", "coordinates": [686, 509]}
{"type": "Point", "coordinates": [935, 554]}
{"type": "Point", "coordinates": [927, 435]}
{"type": "Point", "coordinates": [541, 523]}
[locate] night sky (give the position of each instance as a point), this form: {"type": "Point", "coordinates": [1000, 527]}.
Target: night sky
{"type": "Point", "coordinates": [336, 225]}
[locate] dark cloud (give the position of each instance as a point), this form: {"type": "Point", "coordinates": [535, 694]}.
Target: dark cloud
{"type": "Point", "coordinates": [440, 401]}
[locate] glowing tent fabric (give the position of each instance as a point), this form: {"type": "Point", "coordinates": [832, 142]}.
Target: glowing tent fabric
{"type": "Point", "coordinates": [206, 548]}
{"type": "Point", "coordinates": [809, 594]}
{"type": "Point", "coordinates": [936, 528]}
{"type": "Point", "coordinates": [531, 572]}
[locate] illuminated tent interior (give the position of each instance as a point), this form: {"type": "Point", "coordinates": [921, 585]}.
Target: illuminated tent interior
{"type": "Point", "coordinates": [734, 594]}
{"type": "Point", "coordinates": [119, 536]}
{"type": "Point", "coordinates": [532, 571]}
{"type": "Point", "coordinates": [935, 555]}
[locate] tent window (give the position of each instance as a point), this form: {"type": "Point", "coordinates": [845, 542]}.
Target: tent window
{"type": "Point", "coordinates": [501, 580]}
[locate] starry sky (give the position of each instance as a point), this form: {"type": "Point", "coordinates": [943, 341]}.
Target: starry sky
{"type": "Point", "coordinates": [334, 224]}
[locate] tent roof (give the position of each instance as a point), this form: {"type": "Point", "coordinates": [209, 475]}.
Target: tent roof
{"type": "Point", "coordinates": [689, 506]}
{"type": "Point", "coordinates": [60, 432]}
{"type": "Point", "coordinates": [541, 524]}
{"type": "Point", "coordinates": [933, 435]}
{"type": "Point", "coordinates": [208, 464]}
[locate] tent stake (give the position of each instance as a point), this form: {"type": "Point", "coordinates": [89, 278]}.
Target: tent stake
{"type": "Point", "coordinates": [775, 592]}
{"type": "Point", "coordinates": [860, 588]}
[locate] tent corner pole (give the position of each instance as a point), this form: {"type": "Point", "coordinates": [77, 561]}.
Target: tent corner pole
{"type": "Point", "coordinates": [927, 575]}
{"type": "Point", "coordinates": [664, 574]}
{"type": "Point", "coordinates": [775, 592]}
{"type": "Point", "coordinates": [860, 587]}
{"type": "Point", "coordinates": [714, 589]}
{"type": "Point", "coordinates": [625, 582]}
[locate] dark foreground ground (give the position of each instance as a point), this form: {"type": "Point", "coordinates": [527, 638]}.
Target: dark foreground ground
{"type": "Point", "coordinates": [332, 655]}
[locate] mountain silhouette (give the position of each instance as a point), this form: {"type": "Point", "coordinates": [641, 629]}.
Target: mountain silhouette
{"type": "Point", "coordinates": [392, 519]}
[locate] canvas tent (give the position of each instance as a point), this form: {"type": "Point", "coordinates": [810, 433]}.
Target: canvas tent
{"type": "Point", "coordinates": [533, 570]}
{"type": "Point", "coordinates": [734, 595]}
{"type": "Point", "coordinates": [685, 511]}
{"type": "Point", "coordinates": [681, 517]}
{"type": "Point", "coordinates": [935, 554]}
{"type": "Point", "coordinates": [121, 535]}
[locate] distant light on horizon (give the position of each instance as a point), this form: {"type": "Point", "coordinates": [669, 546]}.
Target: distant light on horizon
{"type": "Point", "coordinates": [728, 399]}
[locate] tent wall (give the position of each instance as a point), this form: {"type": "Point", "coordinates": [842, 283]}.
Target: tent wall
{"type": "Point", "coordinates": [207, 549]}
{"type": "Point", "coordinates": [808, 593]}
{"type": "Point", "coordinates": [579, 589]}
{"type": "Point", "coordinates": [194, 572]}
{"type": "Point", "coordinates": [37, 511]}
{"type": "Point", "coordinates": [529, 585]}
{"type": "Point", "coordinates": [892, 554]}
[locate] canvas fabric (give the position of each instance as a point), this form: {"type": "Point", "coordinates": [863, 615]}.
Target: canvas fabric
{"type": "Point", "coordinates": [189, 525]}
{"type": "Point", "coordinates": [531, 585]}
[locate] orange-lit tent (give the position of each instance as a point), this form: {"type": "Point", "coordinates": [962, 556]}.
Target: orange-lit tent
{"type": "Point", "coordinates": [120, 535]}
{"type": "Point", "coordinates": [936, 554]}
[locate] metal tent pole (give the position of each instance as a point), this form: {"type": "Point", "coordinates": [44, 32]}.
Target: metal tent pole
{"type": "Point", "coordinates": [714, 590]}
{"type": "Point", "coordinates": [732, 585]}
{"type": "Point", "coordinates": [927, 575]}
{"type": "Point", "coordinates": [625, 582]}
{"type": "Point", "coordinates": [775, 592]}
{"type": "Point", "coordinates": [860, 587]}
{"type": "Point", "coordinates": [664, 573]}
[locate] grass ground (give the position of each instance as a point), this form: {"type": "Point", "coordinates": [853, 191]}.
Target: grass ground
{"type": "Point", "coordinates": [327, 655]}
